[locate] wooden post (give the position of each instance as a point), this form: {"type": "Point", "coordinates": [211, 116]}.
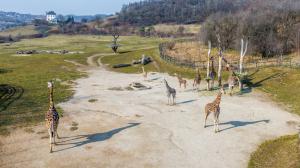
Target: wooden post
{"type": "Point", "coordinates": [243, 53]}
{"type": "Point", "coordinates": [220, 61]}
{"type": "Point", "coordinates": [208, 65]}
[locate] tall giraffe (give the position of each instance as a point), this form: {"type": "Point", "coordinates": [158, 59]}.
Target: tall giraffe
{"type": "Point", "coordinates": [213, 73]}
{"type": "Point", "coordinates": [52, 117]}
{"type": "Point", "coordinates": [214, 108]}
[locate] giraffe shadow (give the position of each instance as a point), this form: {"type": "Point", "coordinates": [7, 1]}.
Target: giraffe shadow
{"type": "Point", "coordinates": [91, 138]}
{"type": "Point", "coordinates": [185, 102]}
{"type": "Point", "coordinates": [236, 124]}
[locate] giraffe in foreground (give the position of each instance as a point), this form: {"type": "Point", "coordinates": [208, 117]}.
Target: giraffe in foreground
{"type": "Point", "coordinates": [52, 117]}
{"type": "Point", "coordinates": [214, 108]}
{"type": "Point", "coordinates": [213, 73]}
{"type": "Point", "coordinates": [170, 92]}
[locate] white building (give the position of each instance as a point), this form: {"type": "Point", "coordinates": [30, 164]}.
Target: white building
{"type": "Point", "coordinates": [51, 17]}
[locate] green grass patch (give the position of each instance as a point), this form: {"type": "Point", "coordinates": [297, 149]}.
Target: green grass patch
{"type": "Point", "coordinates": [282, 84]}
{"type": "Point", "coordinates": [282, 152]}
{"type": "Point", "coordinates": [158, 65]}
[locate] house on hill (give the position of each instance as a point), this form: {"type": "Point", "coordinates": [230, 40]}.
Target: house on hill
{"type": "Point", "coordinates": [51, 17]}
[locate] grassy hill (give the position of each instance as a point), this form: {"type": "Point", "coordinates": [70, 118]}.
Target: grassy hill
{"type": "Point", "coordinates": [22, 30]}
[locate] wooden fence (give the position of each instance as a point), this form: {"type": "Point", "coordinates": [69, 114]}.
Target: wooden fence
{"type": "Point", "coordinates": [274, 62]}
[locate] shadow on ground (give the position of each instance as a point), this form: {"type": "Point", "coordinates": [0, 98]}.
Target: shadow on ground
{"type": "Point", "coordinates": [8, 95]}
{"type": "Point", "coordinates": [236, 124]}
{"type": "Point", "coordinates": [188, 101]}
{"type": "Point", "coordinates": [91, 138]}
{"type": "Point", "coordinates": [249, 84]}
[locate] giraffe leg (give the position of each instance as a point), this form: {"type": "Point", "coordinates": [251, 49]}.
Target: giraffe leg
{"type": "Point", "coordinates": [218, 119]}
{"type": "Point", "coordinates": [206, 115]}
{"type": "Point", "coordinates": [218, 125]}
{"type": "Point", "coordinates": [215, 125]}
{"type": "Point", "coordinates": [54, 138]}
{"type": "Point", "coordinates": [56, 130]}
{"type": "Point", "coordinates": [57, 135]}
{"type": "Point", "coordinates": [50, 140]}
{"type": "Point", "coordinates": [174, 100]}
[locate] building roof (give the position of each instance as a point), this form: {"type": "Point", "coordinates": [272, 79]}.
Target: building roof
{"type": "Point", "coordinates": [50, 13]}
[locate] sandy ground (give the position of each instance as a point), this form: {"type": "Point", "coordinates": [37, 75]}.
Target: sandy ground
{"type": "Point", "coordinates": [106, 125]}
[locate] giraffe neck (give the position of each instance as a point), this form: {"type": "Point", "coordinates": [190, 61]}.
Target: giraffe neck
{"type": "Point", "coordinates": [218, 99]}
{"type": "Point", "coordinates": [51, 103]}
{"type": "Point", "coordinates": [167, 85]}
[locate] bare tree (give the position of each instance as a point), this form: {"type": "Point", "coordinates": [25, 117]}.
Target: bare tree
{"type": "Point", "coordinates": [220, 61]}
{"type": "Point", "coordinates": [242, 75]}
{"type": "Point", "coordinates": [115, 45]}
{"type": "Point", "coordinates": [208, 65]}
{"type": "Point", "coordinates": [244, 48]}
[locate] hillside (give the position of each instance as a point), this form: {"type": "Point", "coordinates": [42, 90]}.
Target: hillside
{"type": "Point", "coordinates": [13, 19]}
{"type": "Point", "coordinates": [175, 11]}
{"type": "Point", "coordinates": [19, 31]}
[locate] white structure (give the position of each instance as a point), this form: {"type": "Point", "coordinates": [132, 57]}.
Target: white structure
{"type": "Point", "coordinates": [51, 17]}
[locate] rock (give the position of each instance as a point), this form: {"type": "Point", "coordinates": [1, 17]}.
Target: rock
{"type": "Point", "coordinates": [139, 86]}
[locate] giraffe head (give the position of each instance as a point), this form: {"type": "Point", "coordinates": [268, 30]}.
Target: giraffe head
{"type": "Point", "coordinates": [222, 90]}
{"type": "Point", "coordinates": [228, 67]}
{"type": "Point", "coordinates": [50, 84]}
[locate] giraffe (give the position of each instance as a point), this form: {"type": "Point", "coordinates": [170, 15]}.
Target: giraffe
{"type": "Point", "coordinates": [181, 81]}
{"type": "Point", "coordinates": [197, 80]}
{"type": "Point", "coordinates": [170, 92]}
{"type": "Point", "coordinates": [145, 73]}
{"type": "Point", "coordinates": [213, 73]}
{"type": "Point", "coordinates": [232, 79]}
{"type": "Point", "coordinates": [214, 108]}
{"type": "Point", "coordinates": [52, 117]}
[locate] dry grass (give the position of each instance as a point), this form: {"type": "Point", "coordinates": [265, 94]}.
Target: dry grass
{"type": "Point", "coordinates": [25, 30]}
{"type": "Point", "coordinates": [195, 51]}
{"type": "Point", "coordinates": [279, 153]}
{"type": "Point", "coordinates": [168, 28]}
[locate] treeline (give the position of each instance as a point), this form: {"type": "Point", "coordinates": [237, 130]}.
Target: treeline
{"type": "Point", "coordinates": [271, 26]}
{"type": "Point", "coordinates": [151, 12]}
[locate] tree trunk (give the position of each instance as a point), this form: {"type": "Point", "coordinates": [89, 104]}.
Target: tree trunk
{"type": "Point", "coordinates": [241, 64]}
{"type": "Point", "coordinates": [208, 65]}
{"type": "Point", "coordinates": [220, 70]}
{"type": "Point", "coordinates": [241, 85]}
{"type": "Point", "coordinates": [220, 61]}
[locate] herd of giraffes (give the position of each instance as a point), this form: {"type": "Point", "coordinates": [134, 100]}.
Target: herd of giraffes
{"type": "Point", "coordinates": [52, 116]}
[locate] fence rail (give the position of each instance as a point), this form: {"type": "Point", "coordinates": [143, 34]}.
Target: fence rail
{"type": "Point", "coordinates": [203, 64]}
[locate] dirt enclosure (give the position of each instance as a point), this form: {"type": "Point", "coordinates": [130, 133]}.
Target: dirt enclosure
{"type": "Point", "coordinates": [105, 127]}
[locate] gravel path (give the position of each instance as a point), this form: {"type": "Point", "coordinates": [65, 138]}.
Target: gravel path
{"type": "Point", "coordinates": [107, 125]}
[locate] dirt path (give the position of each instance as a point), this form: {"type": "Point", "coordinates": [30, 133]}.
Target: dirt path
{"type": "Point", "coordinates": [106, 125]}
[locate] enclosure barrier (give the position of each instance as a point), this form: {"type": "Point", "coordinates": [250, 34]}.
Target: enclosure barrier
{"type": "Point", "coordinates": [262, 63]}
